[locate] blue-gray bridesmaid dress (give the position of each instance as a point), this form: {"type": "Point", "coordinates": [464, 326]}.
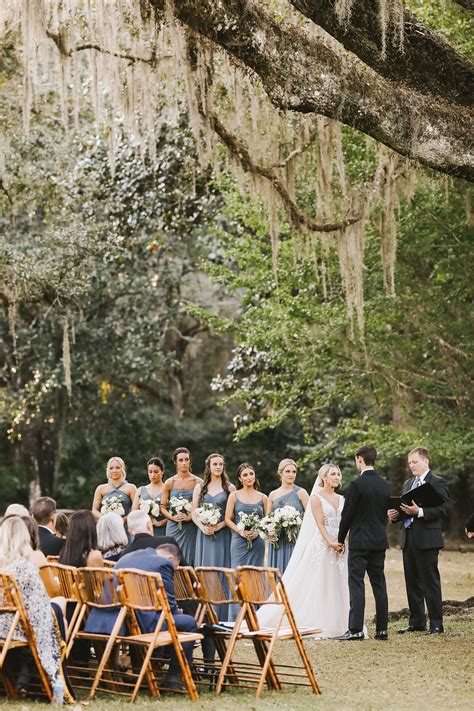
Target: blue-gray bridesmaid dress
{"type": "Point", "coordinates": [239, 552]}
{"type": "Point", "coordinates": [215, 553]}
{"type": "Point", "coordinates": [279, 557]}
{"type": "Point", "coordinates": [157, 530]}
{"type": "Point", "coordinates": [125, 500]}
{"type": "Point", "coordinates": [186, 537]}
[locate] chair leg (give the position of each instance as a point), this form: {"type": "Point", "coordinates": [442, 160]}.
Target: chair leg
{"type": "Point", "coordinates": [187, 676]}
{"type": "Point", "coordinates": [306, 662]}
{"type": "Point", "coordinates": [268, 658]}
{"type": "Point", "coordinates": [107, 652]}
{"type": "Point", "coordinates": [230, 649]}
{"type": "Point", "coordinates": [145, 668]}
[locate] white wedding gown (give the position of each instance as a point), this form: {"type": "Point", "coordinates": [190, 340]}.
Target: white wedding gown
{"type": "Point", "coordinates": [316, 577]}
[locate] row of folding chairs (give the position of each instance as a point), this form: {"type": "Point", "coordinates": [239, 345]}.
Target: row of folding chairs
{"type": "Point", "coordinates": [207, 590]}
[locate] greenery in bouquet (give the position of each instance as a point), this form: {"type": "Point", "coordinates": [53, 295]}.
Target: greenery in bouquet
{"type": "Point", "coordinates": [249, 522]}
{"type": "Point", "coordinates": [179, 505]}
{"type": "Point", "coordinates": [209, 515]}
{"type": "Point", "coordinates": [112, 504]}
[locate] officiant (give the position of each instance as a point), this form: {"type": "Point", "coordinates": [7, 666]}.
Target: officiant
{"type": "Point", "coordinates": [421, 540]}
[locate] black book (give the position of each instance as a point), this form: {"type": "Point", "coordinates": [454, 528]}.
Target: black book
{"type": "Point", "coordinates": [424, 496]}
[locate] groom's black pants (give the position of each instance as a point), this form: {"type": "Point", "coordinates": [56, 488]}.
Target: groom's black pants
{"type": "Point", "coordinates": [370, 562]}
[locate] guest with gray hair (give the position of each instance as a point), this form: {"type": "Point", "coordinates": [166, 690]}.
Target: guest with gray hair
{"type": "Point", "coordinates": [111, 536]}
{"type": "Point", "coordinates": [140, 528]}
{"type": "Point", "coordinates": [16, 510]}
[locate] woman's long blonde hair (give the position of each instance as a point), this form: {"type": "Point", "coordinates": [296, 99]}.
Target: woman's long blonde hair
{"type": "Point", "coordinates": [15, 541]}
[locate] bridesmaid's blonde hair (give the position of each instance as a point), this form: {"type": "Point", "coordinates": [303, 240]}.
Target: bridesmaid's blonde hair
{"type": "Point", "coordinates": [121, 463]}
{"type": "Point", "coordinates": [283, 464]}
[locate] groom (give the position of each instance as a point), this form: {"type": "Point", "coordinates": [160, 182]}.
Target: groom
{"type": "Point", "coordinates": [365, 515]}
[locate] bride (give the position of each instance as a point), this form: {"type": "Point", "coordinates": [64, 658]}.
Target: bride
{"type": "Point", "coordinates": [316, 577]}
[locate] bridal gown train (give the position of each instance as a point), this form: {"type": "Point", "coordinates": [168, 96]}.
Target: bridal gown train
{"type": "Point", "coordinates": [316, 578]}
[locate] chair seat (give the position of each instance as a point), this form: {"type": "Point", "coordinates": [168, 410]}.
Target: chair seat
{"type": "Point", "coordinates": [164, 638]}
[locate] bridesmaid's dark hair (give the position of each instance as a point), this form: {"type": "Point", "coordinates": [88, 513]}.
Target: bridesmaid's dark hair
{"type": "Point", "coordinates": [180, 450]}
{"type": "Point", "coordinates": [207, 476]}
{"type": "Point", "coordinates": [243, 466]}
{"type": "Point", "coordinates": [81, 539]}
{"type": "Point", "coordinates": [157, 462]}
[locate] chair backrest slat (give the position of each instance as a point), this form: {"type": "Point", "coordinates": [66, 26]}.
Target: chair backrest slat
{"type": "Point", "coordinates": [98, 587]}
{"type": "Point", "coordinates": [260, 586]}
{"type": "Point", "coordinates": [141, 590]}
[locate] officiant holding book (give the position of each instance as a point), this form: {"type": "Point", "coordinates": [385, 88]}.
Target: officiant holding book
{"type": "Point", "coordinates": [421, 540]}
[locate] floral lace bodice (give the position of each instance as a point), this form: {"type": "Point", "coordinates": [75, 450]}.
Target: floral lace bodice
{"type": "Point", "coordinates": [332, 519]}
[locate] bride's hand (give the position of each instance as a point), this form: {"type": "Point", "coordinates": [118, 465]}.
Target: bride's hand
{"type": "Point", "coordinates": [338, 547]}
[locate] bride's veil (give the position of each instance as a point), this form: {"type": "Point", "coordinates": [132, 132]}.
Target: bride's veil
{"type": "Point", "coordinates": [307, 532]}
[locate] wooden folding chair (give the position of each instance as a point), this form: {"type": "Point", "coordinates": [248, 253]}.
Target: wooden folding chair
{"type": "Point", "coordinates": [52, 558]}
{"type": "Point", "coordinates": [186, 590]}
{"type": "Point", "coordinates": [109, 563]}
{"type": "Point", "coordinates": [60, 581]}
{"type": "Point", "coordinates": [11, 604]}
{"type": "Point", "coordinates": [217, 588]}
{"type": "Point", "coordinates": [144, 592]}
{"type": "Point", "coordinates": [97, 589]}
{"type": "Point", "coordinates": [263, 586]}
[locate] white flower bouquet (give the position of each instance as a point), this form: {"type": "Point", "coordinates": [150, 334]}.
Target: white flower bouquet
{"type": "Point", "coordinates": [249, 522]}
{"type": "Point", "coordinates": [112, 503]}
{"type": "Point", "coordinates": [150, 506]}
{"type": "Point", "coordinates": [208, 515]}
{"type": "Point", "coordinates": [178, 505]}
{"type": "Point", "coordinates": [268, 528]}
{"type": "Point", "coordinates": [288, 521]}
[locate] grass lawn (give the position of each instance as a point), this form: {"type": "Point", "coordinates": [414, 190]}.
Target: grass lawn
{"type": "Point", "coordinates": [409, 671]}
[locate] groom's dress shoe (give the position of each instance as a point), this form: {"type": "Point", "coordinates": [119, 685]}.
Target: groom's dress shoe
{"type": "Point", "coordinates": [381, 634]}
{"type": "Point", "coordinates": [350, 636]}
{"type": "Point", "coordinates": [435, 630]}
{"type": "Point", "coordinates": [411, 628]}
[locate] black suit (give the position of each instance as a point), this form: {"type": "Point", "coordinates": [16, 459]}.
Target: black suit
{"type": "Point", "coordinates": [420, 544]}
{"type": "Point", "coordinates": [49, 543]}
{"type": "Point", "coordinates": [365, 516]}
{"type": "Point", "coordinates": [146, 540]}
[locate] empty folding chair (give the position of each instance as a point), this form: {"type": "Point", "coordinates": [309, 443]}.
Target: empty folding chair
{"type": "Point", "coordinates": [263, 586]}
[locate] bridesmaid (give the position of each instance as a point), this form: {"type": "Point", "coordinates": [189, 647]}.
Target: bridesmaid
{"type": "Point", "coordinates": [288, 494]}
{"type": "Point", "coordinates": [247, 499]}
{"type": "Point", "coordinates": [181, 484]}
{"type": "Point", "coordinates": [117, 486]}
{"type": "Point", "coordinates": [153, 492]}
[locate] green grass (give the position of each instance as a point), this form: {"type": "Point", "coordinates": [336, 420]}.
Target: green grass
{"type": "Point", "coordinates": [408, 671]}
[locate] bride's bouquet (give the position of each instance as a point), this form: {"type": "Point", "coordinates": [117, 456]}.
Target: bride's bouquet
{"type": "Point", "coordinates": [112, 504]}
{"type": "Point", "coordinates": [268, 528]}
{"type": "Point", "coordinates": [209, 515]}
{"type": "Point", "coordinates": [178, 505]}
{"type": "Point", "coordinates": [150, 506]}
{"type": "Point", "coordinates": [249, 522]}
{"type": "Point", "coordinates": [288, 521]}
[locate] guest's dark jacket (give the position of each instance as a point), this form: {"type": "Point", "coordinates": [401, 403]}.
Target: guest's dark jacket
{"type": "Point", "coordinates": [151, 562]}
{"type": "Point", "coordinates": [146, 540]}
{"type": "Point", "coordinates": [147, 559]}
{"type": "Point", "coordinates": [426, 531]}
{"type": "Point", "coordinates": [49, 543]}
{"type": "Point", "coordinates": [365, 512]}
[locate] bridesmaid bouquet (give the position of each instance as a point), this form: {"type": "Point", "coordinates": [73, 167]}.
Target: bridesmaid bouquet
{"type": "Point", "coordinates": [209, 515]}
{"type": "Point", "coordinates": [177, 505]}
{"type": "Point", "coordinates": [150, 506]}
{"type": "Point", "coordinates": [249, 522]}
{"type": "Point", "coordinates": [288, 521]}
{"type": "Point", "coordinates": [268, 527]}
{"type": "Point", "coordinates": [114, 504]}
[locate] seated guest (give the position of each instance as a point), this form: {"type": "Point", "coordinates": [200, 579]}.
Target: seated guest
{"type": "Point", "coordinates": [15, 551]}
{"type": "Point", "coordinates": [140, 528]}
{"type": "Point", "coordinates": [163, 560]}
{"type": "Point", "coordinates": [44, 513]}
{"type": "Point", "coordinates": [111, 536]}
{"type": "Point", "coordinates": [16, 510]}
{"type": "Point", "coordinates": [62, 524]}
{"type": "Point", "coordinates": [469, 527]}
{"type": "Point", "coordinates": [80, 547]}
